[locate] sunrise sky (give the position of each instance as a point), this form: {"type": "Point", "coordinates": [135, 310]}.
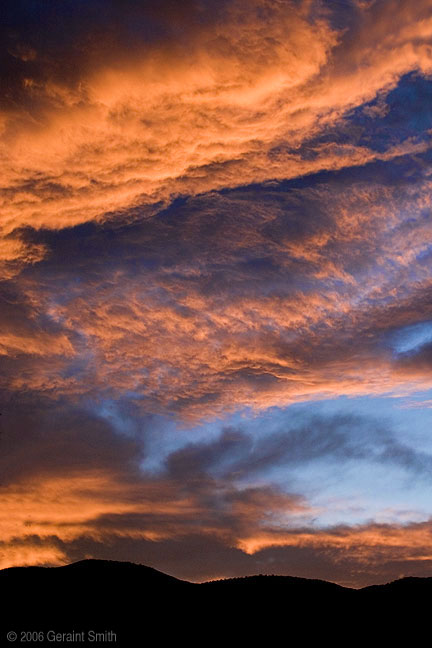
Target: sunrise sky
{"type": "Point", "coordinates": [216, 286]}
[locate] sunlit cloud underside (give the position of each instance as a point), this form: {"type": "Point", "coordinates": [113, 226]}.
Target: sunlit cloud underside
{"type": "Point", "coordinates": [216, 286]}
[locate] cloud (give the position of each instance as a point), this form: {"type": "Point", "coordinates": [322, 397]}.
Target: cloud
{"type": "Point", "coordinates": [252, 297]}
{"type": "Point", "coordinates": [206, 208]}
{"type": "Point", "coordinates": [199, 558]}
{"type": "Point", "coordinates": [73, 487]}
{"type": "Point", "coordinates": [205, 98]}
{"type": "Point", "coordinates": [335, 439]}
{"type": "Point", "coordinates": [67, 474]}
{"type": "Point", "coordinates": [352, 557]}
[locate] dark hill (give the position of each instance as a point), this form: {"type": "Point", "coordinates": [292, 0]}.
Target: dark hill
{"type": "Point", "coordinates": [268, 583]}
{"type": "Point", "coordinates": [400, 588]}
{"type": "Point", "coordinates": [144, 607]}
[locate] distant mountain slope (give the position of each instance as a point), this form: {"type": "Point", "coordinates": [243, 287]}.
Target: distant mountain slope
{"type": "Point", "coordinates": [402, 587]}
{"type": "Point", "coordinates": [136, 602]}
{"type": "Point", "coordinates": [270, 582]}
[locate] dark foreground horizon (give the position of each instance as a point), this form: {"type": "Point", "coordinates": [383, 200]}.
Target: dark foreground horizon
{"type": "Point", "coordinates": [99, 602]}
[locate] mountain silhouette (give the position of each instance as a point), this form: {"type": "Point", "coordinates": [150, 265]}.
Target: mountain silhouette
{"type": "Point", "coordinates": [138, 605]}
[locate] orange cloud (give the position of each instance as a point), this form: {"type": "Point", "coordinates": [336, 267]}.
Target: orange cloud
{"type": "Point", "coordinates": [223, 299]}
{"type": "Point", "coordinates": [172, 119]}
{"type": "Point", "coordinates": [184, 344]}
{"type": "Point", "coordinates": [67, 507]}
{"type": "Point", "coordinates": [368, 544]}
{"type": "Point", "coordinates": [41, 518]}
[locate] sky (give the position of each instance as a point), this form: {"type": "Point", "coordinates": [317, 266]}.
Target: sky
{"type": "Point", "coordinates": [216, 286]}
